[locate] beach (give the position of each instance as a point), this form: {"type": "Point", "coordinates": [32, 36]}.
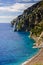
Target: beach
{"type": "Point", "coordinates": [37, 59]}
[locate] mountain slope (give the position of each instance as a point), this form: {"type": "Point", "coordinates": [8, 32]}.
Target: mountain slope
{"type": "Point", "coordinates": [31, 19]}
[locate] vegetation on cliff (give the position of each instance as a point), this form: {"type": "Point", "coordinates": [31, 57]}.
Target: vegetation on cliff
{"type": "Point", "coordinates": [30, 20]}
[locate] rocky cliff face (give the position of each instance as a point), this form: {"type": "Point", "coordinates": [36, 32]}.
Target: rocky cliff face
{"type": "Point", "coordinates": [30, 18]}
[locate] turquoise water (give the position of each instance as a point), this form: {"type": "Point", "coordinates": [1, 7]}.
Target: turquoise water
{"type": "Point", "coordinates": [15, 47]}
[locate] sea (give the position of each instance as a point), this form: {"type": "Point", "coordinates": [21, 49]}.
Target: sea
{"type": "Point", "coordinates": [15, 47]}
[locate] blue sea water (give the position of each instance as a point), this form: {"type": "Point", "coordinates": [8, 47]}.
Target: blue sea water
{"type": "Point", "coordinates": [15, 47]}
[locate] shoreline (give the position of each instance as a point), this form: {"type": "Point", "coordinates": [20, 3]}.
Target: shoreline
{"type": "Point", "coordinates": [28, 62]}
{"type": "Point", "coordinates": [37, 58]}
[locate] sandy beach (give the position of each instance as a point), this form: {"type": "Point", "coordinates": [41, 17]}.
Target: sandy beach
{"type": "Point", "coordinates": [37, 59]}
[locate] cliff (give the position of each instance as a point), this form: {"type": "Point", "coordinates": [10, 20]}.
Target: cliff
{"type": "Point", "coordinates": [30, 18]}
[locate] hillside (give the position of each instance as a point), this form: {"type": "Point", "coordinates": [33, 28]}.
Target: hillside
{"type": "Point", "coordinates": [30, 20]}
